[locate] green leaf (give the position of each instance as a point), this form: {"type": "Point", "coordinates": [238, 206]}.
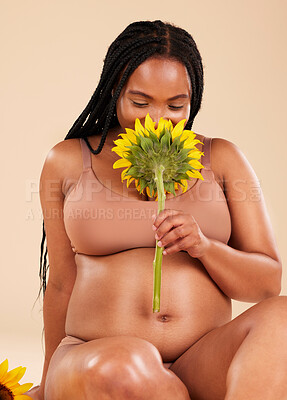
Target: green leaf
{"type": "Point", "coordinates": [165, 140]}
{"type": "Point", "coordinates": [133, 171]}
{"type": "Point", "coordinates": [181, 144]}
{"type": "Point", "coordinates": [132, 159]}
{"type": "Point", "coordinates": [162, 133]}
{"type": "Point", "coordinates": [156, 147]}
{"type": "Point", "coordinates": [175, 143]}
{"type": "Point", "coordinates": [146, 144]}
{"type": "Point", "coordinates": [136, 151]}
{"type": "Point", "coordinates": [152, 187]}
{"type": "Point", "coordinates": [179, 177]}
{"type": "Point", "coordinates": [183, 167]}
{"type": "Point", "coordinates": [182, 155]}
{"type": "Point", "coordinates": [169, 186]}
{"type": "Point", "coordinates": [143, 184]}
{"type": "Point", "coordinates": [153, 136]}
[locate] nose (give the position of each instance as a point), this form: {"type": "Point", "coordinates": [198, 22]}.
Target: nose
{"type": "Point", "coordinates": [156, 116]}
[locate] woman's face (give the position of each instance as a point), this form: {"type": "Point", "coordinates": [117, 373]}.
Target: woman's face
{"type": "Point", "coordinates": [160, 87]}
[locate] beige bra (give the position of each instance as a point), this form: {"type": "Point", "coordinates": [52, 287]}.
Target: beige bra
{"type": "Point", "coordinates": [99, 221]}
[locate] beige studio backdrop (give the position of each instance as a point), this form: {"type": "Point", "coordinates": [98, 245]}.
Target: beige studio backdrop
{"type": "Point", "coordinates": [51, 58]}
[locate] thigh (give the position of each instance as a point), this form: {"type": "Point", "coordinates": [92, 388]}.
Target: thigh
{"type": "Point", "coordinates": [203, 367]}
{"type": "Point", "coordinates": [126, 361]}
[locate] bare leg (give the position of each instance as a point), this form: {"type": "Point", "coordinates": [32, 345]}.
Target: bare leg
{"type": "Point", "coordinates": [119, 367]}
{"type": "Point", "coordinates": [243, 359]}
{"type": "Point", "coordinates": [259, 367]}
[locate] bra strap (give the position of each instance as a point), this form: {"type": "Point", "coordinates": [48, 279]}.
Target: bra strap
{"type": "Point", "coordinates": [206, 148]}
{"type": "Point", "coordinates": [86, 154]}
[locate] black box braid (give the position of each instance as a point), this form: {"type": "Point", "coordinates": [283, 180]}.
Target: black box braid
{"type": "Point", "coordinates": [138, 42]}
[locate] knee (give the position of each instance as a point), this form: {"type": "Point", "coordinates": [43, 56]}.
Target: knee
{"type": "Point", "coordinates": [272, 312]}
{"type": "Point", "coordinates": [122, 370]}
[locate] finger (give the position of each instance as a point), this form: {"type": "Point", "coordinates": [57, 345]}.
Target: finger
{"type": "Point", "coordinates": [179, 245]}
{"type": "Point", "coordinates": [170, 222]}
{"type": "Point", "coordinates": [170, 237]}
{"type": "Point", "coordinates": [163, 215]}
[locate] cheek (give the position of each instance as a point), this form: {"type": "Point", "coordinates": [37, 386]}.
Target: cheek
{"type": "Point", "coordinates": [177, 116]}
{"type": "Point", "coordinates": [186, 113]}
{"type": "Point", "coordinates": [127, 114]}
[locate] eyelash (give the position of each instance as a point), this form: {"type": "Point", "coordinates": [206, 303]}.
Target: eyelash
{"type": "Point", "coordinates": [143, 105]}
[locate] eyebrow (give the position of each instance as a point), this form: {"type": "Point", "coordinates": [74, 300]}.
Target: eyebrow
{"type": "Point", "coordinates": [179, 96]}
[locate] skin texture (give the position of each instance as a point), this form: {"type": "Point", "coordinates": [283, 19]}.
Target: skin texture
{"type": "Point", "coordinates": [160, 79]}
{"type": "Point", "coordinates": [211, 357]}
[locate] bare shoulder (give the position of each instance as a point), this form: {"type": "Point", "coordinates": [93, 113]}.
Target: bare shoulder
{"type": "Point", "coordinates": [63, 157]}
{"type": "Point", "coordinates": [223, 155]}
{"type": "Point", "coordinates": [229, 162]}
{"type": "Point", "coordinates": [63, 165]}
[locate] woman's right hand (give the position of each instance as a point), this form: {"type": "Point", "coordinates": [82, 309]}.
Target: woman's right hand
{"type": "Point", "coordinates": [35, 393]}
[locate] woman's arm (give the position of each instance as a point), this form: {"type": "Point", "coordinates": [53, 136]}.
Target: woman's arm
{"type": "Point", "coordinates": [62, 267]}
{"type": "Point", "coordinates": [249, 267]}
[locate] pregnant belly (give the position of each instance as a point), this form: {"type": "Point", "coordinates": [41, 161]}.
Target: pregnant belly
{"type": "Point", "coordinates": [113, 296]}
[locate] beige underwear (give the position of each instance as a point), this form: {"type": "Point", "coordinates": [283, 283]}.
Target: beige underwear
{"type": "Point", "coordinates": [74, 340]}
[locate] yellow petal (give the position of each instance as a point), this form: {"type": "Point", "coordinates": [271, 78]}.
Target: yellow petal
{"type": "Point", "coordinates": [187, 134]}
{"type": "Point", "coordinates": [138, 127]}
{"type": "Point", "coordinates": [195, 164]}
{"type": "Point", "coordinates": [163, 123]}
{"type": "Point", "coordinates": [126, 176]}
{"type": "Point", "coordinates": [184, 185]}
{"type": "Point", "coordinates": [149, 124]}
{"type": "Point", "coordinates": [122, 162]}
{"type": "Point", "coordinates": [195, 174]}
{"type": "Point", "coordinates": [120, 152]}
{"type": "Point", "coordinates": [123, 174]}
{"type": "Point", "coordinates": [195, 154]}
{"type": "Point", "coordinates": [22, 389]}
{"type": "Point", "coordinates": [191, 143]}
{"type": "Point", "coordinates": [23, 397]}
{"type": "Point", "coordinates": [177, 130]}
{"type": "Point", "coordinates": [3, 368]}
{"type": "Point", "coordinates": [11, 376]}
{"type": "Point", "coordinates": [148, 191]}
{"type": "Point", "coordinates": [138, 186]}
{"type": "Point", "coordinates": [130, 179]}
{"type": "Point", "coordinates": [122, 142]}
{"type": "Point", "coordinates": [12, 387]}
{"type": "Point", "coordinates": [130, 135]}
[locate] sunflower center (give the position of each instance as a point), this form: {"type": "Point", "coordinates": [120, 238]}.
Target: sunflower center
{"type": "Point", "coordinates": [5, 393]}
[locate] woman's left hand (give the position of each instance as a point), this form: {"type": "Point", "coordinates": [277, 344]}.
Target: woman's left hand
{"type": "Point", "coordinates": [179, 231]}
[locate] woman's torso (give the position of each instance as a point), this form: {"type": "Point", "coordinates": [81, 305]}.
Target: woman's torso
{"type": "Point", "coordinates": [110, 229]}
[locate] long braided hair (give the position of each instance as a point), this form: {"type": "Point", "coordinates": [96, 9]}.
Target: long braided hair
{"type": "Point", "coordinates": [138, 42]}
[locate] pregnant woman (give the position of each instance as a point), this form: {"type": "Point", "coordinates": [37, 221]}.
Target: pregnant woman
{"type": "Point", "coordinates": [102, 339]}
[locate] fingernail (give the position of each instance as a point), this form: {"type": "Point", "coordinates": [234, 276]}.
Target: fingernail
{"type": "Point", "coordinates": [159, 244]}
{"type": "Point", "coordinates": [154, 228]}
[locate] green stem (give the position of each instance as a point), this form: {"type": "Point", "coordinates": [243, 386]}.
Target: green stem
{"type": "Point", "coordinates": [158, 250]}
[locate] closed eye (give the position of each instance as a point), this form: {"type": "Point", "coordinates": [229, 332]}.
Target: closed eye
{"type": "Point", "coordinates": [139, 104]}
{"type": "Point", "coordinates": [146, 104]}
{"type": "Point", "coordinates": [175, 107]}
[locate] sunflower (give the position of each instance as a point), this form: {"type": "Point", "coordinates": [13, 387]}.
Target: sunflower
{"type": "Point", "coordinates": [159, 161]}
{"type": "Point", "coordinates": [145, 150]}
{"type": "Point", "coordinates": [9, 387]}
